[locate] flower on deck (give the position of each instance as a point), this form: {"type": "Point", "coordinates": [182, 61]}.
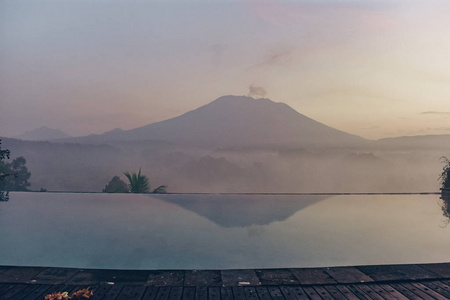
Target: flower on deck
{"type": "Point", "coordinates": [57, 296]}
{"type": "Point", "coordinates": [78, 295]}
{"type": "Point", "coordinates": [82, 294]}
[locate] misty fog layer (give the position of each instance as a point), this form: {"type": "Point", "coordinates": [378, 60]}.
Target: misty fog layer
{"type": "Point", "coordinates": [237, 145]}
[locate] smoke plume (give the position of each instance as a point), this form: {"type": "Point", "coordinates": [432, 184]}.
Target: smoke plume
{"type": "Point", "coordinates": [256, 91]}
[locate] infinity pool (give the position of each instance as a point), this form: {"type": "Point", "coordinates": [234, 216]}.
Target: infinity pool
{"type": "Point", "coordinates": [186, 231]}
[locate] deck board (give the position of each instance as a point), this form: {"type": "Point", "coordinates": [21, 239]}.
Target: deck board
{"type": "Point", "coordinates": [346, 292]}
{"type": "Point", "coordinates": [438, 288]}
{"type": "Point", "coordinates": [323, 292]}
{"type": "Point", "coordinates": [343, 283]}
{"type": "Point", "coordinates": [393, 293]}
{"type": "Point", "coordinates": [404, 291]}
{"type": "Point", "coordinates": [263, 293]}
{"type": "Point", "coordinates": [226, 293]}
{"type": "Point", "coordinates": [176, 293]}
{"type": "Point", "coordinates": [335, 293]}
{"type": "Point", "coordinates": [214, 293]}
{"type": "Point", "coordinates": [429, 291]}
{"type": "Point", "coordinates": [293, 293]}
{"type": "Point", "coordinates": [131, 292]}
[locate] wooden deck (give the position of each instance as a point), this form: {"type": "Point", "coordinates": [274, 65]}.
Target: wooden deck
{"type": "Point", "coordinates": [426, 281]}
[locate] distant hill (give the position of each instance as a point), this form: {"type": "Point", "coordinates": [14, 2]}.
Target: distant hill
{"type": "Point", "coordinates": [234, 121]}
{"type": "Point", "coordinates": [43, 133]}
{"type": "Point", "coordinates": [415, 142]}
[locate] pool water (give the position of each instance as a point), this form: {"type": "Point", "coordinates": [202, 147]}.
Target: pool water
{"type": "Point", "coordinates": [186, 231]}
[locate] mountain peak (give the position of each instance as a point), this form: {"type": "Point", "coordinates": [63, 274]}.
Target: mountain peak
{"type": "Point", "coordinates": [43, 133]}
{"type": "Point", "coordinates": [236, 121]}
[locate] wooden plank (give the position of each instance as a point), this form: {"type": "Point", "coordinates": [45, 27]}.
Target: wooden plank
{"type": "Point", "coordinates": [263, 293]}
{"type": "Point", "coordinates": [5, 286]}
{"type": "Point", "coordinates": [396, 272]}
{"type": "Point", "coordinates": [83, 277]}
{"type": "Point", "coordinates": [442, 285]}
{"type": "Point", "coordinates": [150, 293]}
{"type": "Point", "coordinates": [429, 291]}
{"type": "Point", "coordinates": [202, 278]}
{"type": "Point", "coordinates": [293, 293]}
{"type": "Point", "coordinates": [392, 293]}
{"type": "Point", "coordinates": [442, 270]}
{"type": "Point", "coordinates": [166, 278]}
{"type": "Point", "coordinates": [214, 293]}
{"type": "Point", "coordinates": [382, 273]}
{"type": "Point", "coordinates": [19, 294]}
{"type": "Point", "coordinates": [38, 292]}
{"type": "Point", "coordinates": [250, 293]}
{"type": "Point", "coordinates": [379, 290]}
{"type": "Point", "coordinates": [163, 293]}
{"type": "Point", "coordinates": [346, 292]}
{"type": "Point", "coordinates": [238, 293]}
{"type": "Point", "coordinates": [357, 292]}
{"type": "Point", "coordinates": [275, 293]}
{"type": "Point", "coordinates": [313, 276]}
{"type": "Point", "coordinates": [122, 277]}
{"type": "Point", "coordinates": [335, 293]}
{"type": "Point", "coordinates": [239, 278]}
{"type": "Point", "coordinates": [368, 292]}
{"type": "Point", "coordinates": [437, 288]}
{"type": "Point", "coordinates": [12, 291]}
{"type": "Point", "coordinates": [226, 293]}
{"type": "Point", "coordinates": [324, 294]}
{"type": "Point", "coordinates": [113, 292]}
{"type": "Point", "coordinates": [176, 293]}
{"type": "Point", "coordinates": [4, 269]}
{"type": "Point", "coordinates": [415, 272]}
{"type": "Point", "coordinates": [188, 293]}
{"type": "Point", "coordinates": [54, 275]}
{"type": "Point", "coordinates": [311, 292]}
{"type": "Point", "coordinates": [131, 292]}
{"type": "Point", "coordinates": [276, 277]}
{"type": "Point", "coordinates": [416, 291]}
{"type": "Point", "coordinates": [101, 291]}
{"type": "Point", "coordinates": [406, 292]}
{"type": "Point", "coordinates": [201, 293]}
{"type": "Point", "coordinates": [348, 275]}
{"type": "Point", "coordinates": [19, 274]}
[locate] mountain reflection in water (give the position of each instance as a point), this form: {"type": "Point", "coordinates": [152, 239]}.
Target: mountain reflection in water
{"type": "Point", "coordinates": [235, 211]}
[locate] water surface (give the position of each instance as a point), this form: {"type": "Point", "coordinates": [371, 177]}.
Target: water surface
{"type": "Point", "coordinates": [129, 231]}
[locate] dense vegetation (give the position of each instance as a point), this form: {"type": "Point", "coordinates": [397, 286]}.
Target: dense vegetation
{"type": "Point", "coordinates": [14, 176]}
{"type": "Point", "coordinates": [445, 182]}
{"type": "Point", "coordinates": [444, 177]}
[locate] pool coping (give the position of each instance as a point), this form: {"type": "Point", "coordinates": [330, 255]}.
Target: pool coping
{"type": "Point", "coordinates": [227, 278]}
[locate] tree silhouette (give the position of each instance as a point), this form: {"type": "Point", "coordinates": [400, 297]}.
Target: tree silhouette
{"type": "Point", "coordinates": [162, 189]}
{"type": "Point", "coordinates": [138, 183]}
{"type": "Point", "coordinates": [116, 185]}
{"type": "Point", "coordinates": [4, 172]}
{"type": "Point", "coordinates": [444, 177]}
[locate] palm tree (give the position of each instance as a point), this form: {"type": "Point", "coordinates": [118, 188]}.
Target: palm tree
{"type": "Point", "coordinates": [138, 183]}
{"type": "Point", "coordinates": [162, 189]}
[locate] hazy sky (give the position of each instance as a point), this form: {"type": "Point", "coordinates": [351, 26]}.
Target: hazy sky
{"type": "Point", "coordinates": [371, 68]}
